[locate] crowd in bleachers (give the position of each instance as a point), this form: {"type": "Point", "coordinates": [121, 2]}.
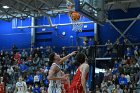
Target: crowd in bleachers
{"type": "Point", "coordinates": [32, 64]}
{"type": "Point", "coordinates": [124, 76]}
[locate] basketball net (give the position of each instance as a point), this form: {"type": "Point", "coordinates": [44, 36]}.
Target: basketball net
{"type": "Point", "coordinates": [77, 26]}
{"type": "Point", "coordinates": [75, 20]}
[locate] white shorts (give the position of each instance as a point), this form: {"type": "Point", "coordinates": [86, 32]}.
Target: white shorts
{"type": "Point", "coordinates": [54, 90]}
{"type": "Point", "coordinates": [21, 92]}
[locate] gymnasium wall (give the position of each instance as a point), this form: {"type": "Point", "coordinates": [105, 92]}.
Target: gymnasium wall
{"type": "Point", "coordinates": [44, 36]}
{"type": "Point", "coordinates": [10, 36]}
{"type": "Point", "coordinates": [55, 37]}
{"type": "Point", "coordinates": [108, 32]}
{"type": "Point", "coordinates": [22, 38]}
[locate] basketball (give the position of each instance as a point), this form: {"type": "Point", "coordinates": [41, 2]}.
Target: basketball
{"type": "Point", "coordinates": [75, 16]}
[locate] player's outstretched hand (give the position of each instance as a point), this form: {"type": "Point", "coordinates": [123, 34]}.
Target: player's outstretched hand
{"type": "Point", "coordinates": [73, 53]}
{"type": "Point", "coordinates": [65, 77]}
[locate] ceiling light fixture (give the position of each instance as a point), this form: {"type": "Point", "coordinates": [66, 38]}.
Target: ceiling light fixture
{"type": "Point", "coordinates": [5, 7]}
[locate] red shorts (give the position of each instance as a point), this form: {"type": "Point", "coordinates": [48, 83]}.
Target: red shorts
{"type": "Point", "coordinates": [76, 90]}
{"type": "Point", "coordinates": [65, 88]}
{"type": "Point", "coordinates": [1, 88]}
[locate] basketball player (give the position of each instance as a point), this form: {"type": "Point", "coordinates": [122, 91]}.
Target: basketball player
{"type": "Point", "coordinates": [21, 86]}
{"type": "Point", "coordinates": [2, 86]}
{"type": "Point", "coordinates": [78, 84]}
{"type": "Point", "coordinates": [55, 74]}
{"type": "Point", "coordinates": [65, 84]}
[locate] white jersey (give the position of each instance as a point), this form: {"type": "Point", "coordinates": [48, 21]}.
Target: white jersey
{"type": "Point", "coordinates": [21, 87]}
{"type": "Point", "coordinates": [36, 78]}
{"type": "Point", "coordinates": [55, 85]}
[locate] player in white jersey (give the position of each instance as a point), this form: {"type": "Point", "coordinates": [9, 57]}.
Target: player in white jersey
{"type": "Point", "coordinates": [21, 86]}
{"type": "Point", "coordinates": [55, 74]}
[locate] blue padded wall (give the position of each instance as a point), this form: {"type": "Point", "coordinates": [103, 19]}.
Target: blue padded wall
{"type": "Point", "coordinates": [134, 34]}
{"type": "Point", "coordinates": [9, 36]}
{"type": "Point", "coordinates": [108, 32]}
{"type": "Point", "coordinates": [49, 37]}
{"type": "Point", "coordinates": [71, 38]}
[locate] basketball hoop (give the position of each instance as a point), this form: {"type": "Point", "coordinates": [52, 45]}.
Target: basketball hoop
{"type": "Point", "coordinates": [75, 19]}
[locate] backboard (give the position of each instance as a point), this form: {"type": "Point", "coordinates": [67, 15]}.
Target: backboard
{"type": "Point", "coordinates": [92, 9]}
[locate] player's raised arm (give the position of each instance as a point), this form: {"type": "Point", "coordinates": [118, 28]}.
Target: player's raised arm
{"type": "Point", "coordinates": [67, 56]}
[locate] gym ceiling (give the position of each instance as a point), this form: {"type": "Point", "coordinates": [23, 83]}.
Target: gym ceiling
{"type": "Point", "coordinates": [23, 9]}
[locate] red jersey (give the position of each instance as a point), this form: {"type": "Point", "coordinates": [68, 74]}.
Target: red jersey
{"type": "Point", "coordinates": [17, 56]}
{"type": "Point", "coordinates": [1, 88]}
{"type": "Point", "coordinates": [76, 85]}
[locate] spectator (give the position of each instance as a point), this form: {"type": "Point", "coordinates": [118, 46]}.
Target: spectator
{"type": "Point", "coordinates": [36, 89]}
{"type": "Point", "coordinates": [125, 90]}
{"type": "Point", "coordinates": [30, 79]}
{"type": "Point", "coordinates": [85, 48]}
{"type": "Point", "coordinates": [108, 75]}
{"type": "Point", "coordinates": [105, 91]}
{"type": "Point", "coordinates": [23, 67]}
{"type": "Point", "coordinates": [119, 50]}
{"type": "Point", "coordinates": [97, 89]}
{"type": "Point", "coordinates": [123, 81]}
{"type": "Point", "coordinates": [17, 58]}
{"type": "Point", "coordinates": [115, 80]}
{"type": "Point", "coordinates": [108, 45]}
{"type": "Point", "coordinates": [111, 86]}
{"type": "Point", "coordinates": [136, 52]}
{"type": "Point", "coordinates": [24, 54]}
{"type": "Point", "coordinates": [128, 53]}
{"type": "Point", "coordinates": [15, 49]}
{"type": "Point", "coordinates": [38, 52]}
{"type": "Point", "coordinates": [36, 61]}
{"type": "Point", "coordinates": [30, 88]}
{"type": "Point", "coordinates": [91, 42]}
{"type": "Point", "coordinates": [138, 78]}
{"type": "Point", "coordinates": [121, 69]}
{"type": "Point", "coordinates": [10, 72]}
{"type": "Point", "coordinates": [119, 90]}
{"type": "Point", "coordinates": [36, 79]}
{"type": "Point", "coordinates": [127, 76]}
{"type": "Point", "coordinates": [2, 54]}
{"type": "Point", "coordinates": [2, 85]}
{"type": "Point", "coordinates": [32, 52]}
{"type": "Point", "coordinates": [125, 45]}
{"type": "Point", "coordinates": [48, 51]}
{"type": "Point", "coordinates": [116, 64]}
{"type": "Point", "coordinates": [131, 88]}
{"type": "Point", "coordinates": [138, 60]}
{"type": "Point", "coordinates": [115, 71]}
{"type": "Point", "coordinates": [21, 86]}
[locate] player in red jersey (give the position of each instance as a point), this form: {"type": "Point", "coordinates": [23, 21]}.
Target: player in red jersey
{"type": "Point", "coordinates": [2, 89]}
{"type": "Point", "coordinates": [78, 84]}
{"type": "Point", "coordinates": [65, 84]}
